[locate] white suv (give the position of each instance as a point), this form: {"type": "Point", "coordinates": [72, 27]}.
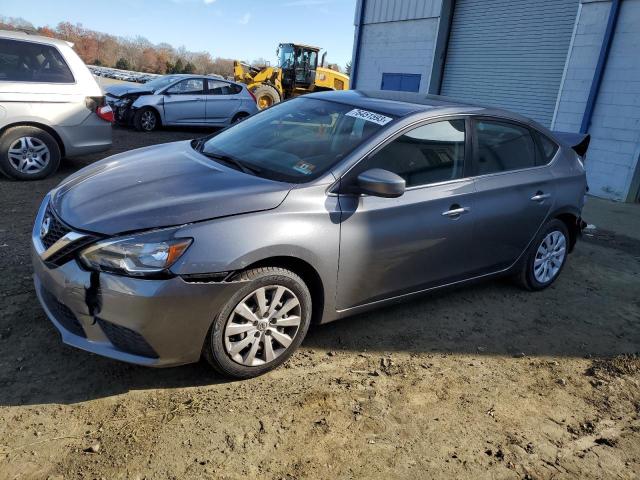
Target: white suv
{"type": "Point", "coordinates": [50, 106]}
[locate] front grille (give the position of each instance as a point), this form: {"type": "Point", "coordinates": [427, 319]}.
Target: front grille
{"type": "Point", "coordinates": [63, 314]}
{"type": "Point", "coordinates": [126, 340]}
{"type": "Point", "coordinates": [67, 252]}
{"type": "Point", "coordinates": [57, 229]}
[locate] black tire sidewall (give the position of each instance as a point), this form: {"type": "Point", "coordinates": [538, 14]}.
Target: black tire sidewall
{"type": "Point", "coordinates": [217, 355]}
{"type": "Point", "coordinates": [551, 226]}
{"type": "Point", "coordinates": [137, 120]}
{"type": "Point", "coordinates": [11, 135]}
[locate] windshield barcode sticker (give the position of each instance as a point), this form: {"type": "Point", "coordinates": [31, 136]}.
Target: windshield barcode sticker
{"type": "Point", "coordinates": [369, 116]}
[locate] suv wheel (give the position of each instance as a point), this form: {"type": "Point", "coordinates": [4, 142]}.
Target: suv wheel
{"type": "Point", "coordinates": [546, 257]}
{"type": "Point", "coordinates": [261, 325]}
{"type": "Point", "coordinates": [146, 120]}
{"type": "Point", "coordinates": [28, 153]}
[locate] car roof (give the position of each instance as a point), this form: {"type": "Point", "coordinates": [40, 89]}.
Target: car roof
{"type": "Point", "coordinates": [197, 75]}
{"type": "Point", "coordinates": [401, 104]}
{"type": "Point", "coordinates": [33, 37]}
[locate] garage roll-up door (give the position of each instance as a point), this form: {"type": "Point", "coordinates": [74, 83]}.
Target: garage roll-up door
{"type": "Point", "coordinates": [509, 53]}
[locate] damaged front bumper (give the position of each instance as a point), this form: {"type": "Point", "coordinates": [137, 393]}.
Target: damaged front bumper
{"type": "Point", "coordinates": [147, 322]}
{"type": "Point", "coordinates": [122, 109]}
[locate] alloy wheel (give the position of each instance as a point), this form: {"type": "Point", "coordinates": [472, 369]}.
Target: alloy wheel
{"type": "Point", "coordinates": [550, 256]}
{"type": "Point", "coordinates": [29, 155]}
{"type": "Point", "coordinates": [262, 326]}
{"type": "Point", "coordinates": [148, 120]}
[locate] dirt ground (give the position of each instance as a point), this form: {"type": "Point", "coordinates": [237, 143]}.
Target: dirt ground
{"type": "Point", "coordinates": [485, 381]}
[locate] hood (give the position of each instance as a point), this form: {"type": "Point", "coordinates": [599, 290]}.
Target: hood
{"type": "Point", "coordinates": [159, 186]}
{"type": "Point", "coordinates": [120, 90]}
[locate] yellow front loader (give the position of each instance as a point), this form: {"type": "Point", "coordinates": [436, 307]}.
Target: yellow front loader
{"type": "Point", "coordinates": [297, 73]}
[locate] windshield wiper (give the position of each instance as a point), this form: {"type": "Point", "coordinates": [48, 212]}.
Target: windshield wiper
{"type": "Point", "coordinates": [199, 143]}
{"type": "Point", "coordinates": [234, 161]}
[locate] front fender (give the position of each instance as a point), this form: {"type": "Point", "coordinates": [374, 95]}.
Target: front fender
{"type": "Point", "coordinates": [154, 101]}
{"type": "Point", "coordinates": [306, 226]}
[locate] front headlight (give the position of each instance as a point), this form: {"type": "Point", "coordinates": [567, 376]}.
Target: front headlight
{"type": "Point", "coordinates": [134, 256]}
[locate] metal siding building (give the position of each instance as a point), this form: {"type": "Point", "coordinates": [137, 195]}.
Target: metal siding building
{"type": "Point", "coordinates": [539, 58]}
{"type": "Point", "coordinates": [513, 56]}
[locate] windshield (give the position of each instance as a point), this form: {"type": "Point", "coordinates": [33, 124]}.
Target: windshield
{"type": "Point", "coordinates": [161, 82]}
{"type": "Point", "coordinates": [286, 56]}
{"type": "Point", "coordinates": [298, 140]}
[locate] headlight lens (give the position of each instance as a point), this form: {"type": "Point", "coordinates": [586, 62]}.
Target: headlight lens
{"type": "Point", "coordinates": [134, 256]}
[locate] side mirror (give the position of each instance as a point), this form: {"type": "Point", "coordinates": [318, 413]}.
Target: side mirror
{"type": "Point", "coordinates": [380, 183]}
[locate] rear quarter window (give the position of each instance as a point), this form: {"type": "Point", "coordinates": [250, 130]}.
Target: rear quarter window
{"type": "Point", "coordinates": [547, 148]}
{"type": "Point", "coordinates": [32, 62]}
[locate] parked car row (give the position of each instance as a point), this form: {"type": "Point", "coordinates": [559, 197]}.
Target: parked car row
{"type": "Point", "coordinates": [51, 105]}
{"type": "Point", "coordinates": [389, 187]}
{"type": "Point", "coordinates": [124, 75]}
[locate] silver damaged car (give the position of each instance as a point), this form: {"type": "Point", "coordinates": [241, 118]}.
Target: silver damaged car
{"type": "Point", "coordinates": [228, 247]}
{"type": "Point", "coordinates": [174, 100]}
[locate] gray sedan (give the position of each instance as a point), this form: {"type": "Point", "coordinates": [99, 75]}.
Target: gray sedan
{"type": "Point", "coordinates": [331, 204]}
{"type": "Point", "coordinates": [193, 100]}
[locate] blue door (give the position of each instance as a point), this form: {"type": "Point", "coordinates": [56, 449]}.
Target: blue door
{"type": "Point", "coordinates": [401, 82]}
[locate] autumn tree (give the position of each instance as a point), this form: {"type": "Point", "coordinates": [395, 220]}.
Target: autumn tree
{"type": "Point", "coordinates": [126, 53]}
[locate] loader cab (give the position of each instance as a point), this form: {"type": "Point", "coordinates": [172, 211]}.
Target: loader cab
{"type": "Point", "coordinates": [298, 64]}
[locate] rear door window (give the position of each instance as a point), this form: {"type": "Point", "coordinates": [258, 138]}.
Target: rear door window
{"type": "Point", "coordinates": [32, 62]}
{"type": "Point", "coordinates": [503, 146]}
{"type": "Point", "coordinates": [547, 148]}
{"type": "Point", "coordinates": [218, 87]}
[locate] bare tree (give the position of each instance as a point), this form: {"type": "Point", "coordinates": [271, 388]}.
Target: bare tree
{"type": "Point", "coordinates": [136, 53]}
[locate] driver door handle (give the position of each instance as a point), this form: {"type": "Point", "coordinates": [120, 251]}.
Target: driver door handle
{"type": "Point", "coordinates": [455, 211]}
{"type": "Point", "coordinates": [539, 196]}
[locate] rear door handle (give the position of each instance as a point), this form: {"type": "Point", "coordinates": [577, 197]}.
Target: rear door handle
{"type": "Point", "coordinates": [538, 197]}
{"type": "Point", "coordinates": [455, 212]}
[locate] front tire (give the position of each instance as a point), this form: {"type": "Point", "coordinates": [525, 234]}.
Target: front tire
{"type": "Point", "coordinates": [261, 325]}
{"type": "Point", "coordinates": [266, 96]}
{"type": "Point", "coordinates": [146, 120]}
{"type": "Point", "coordinates": [545, 258]}
{"type": "Point", "coordinates": [28, 153]}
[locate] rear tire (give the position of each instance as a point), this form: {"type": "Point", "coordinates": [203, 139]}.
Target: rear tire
{"type": "Point", "coordinates": [545, 258]}
{"type": "Point", "coordinates": [146, 120]}
{"type": "Point", "coordinates": [28, 153]}
{"type": "Point", "coordinates": [281, 319]}
{"type": "Point", "coordinates": [266, 96]}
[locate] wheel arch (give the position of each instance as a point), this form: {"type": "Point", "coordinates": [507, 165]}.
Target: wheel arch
{"type": "Point", "coordinates": [572, 220]}
{"type": "Point", "coordinates": [304, 270]}
{"type": "Point", "coordinates": [240, 113]}
{"type": "Point", "coordinates": [51, 131]}
{"type": "Point", "coordinates": [155, 108]}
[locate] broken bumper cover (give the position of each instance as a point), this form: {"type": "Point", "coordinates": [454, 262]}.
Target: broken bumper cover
{"type": "Point", "coordinates": [146, 322]}
{"type": "Point", "coordinates": [122, 110]}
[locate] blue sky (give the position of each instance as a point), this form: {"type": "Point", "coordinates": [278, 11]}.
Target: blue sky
{"type": "Point", "coordinates": [244, 29]}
